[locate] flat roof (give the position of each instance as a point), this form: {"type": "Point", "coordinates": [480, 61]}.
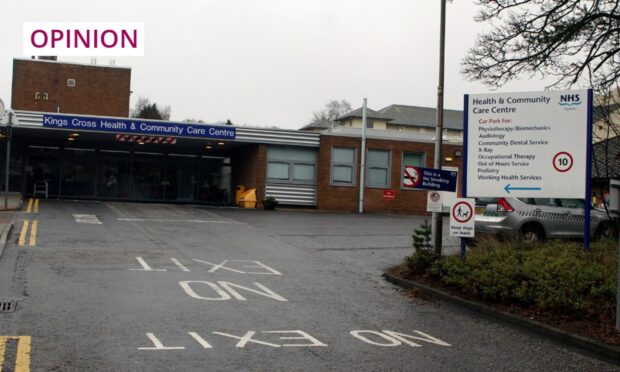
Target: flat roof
{"type": "Point", "coordinates": [69, 63]}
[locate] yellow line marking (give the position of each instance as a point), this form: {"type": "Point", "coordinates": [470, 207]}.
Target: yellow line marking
{"type": "Point", "coordinates": [29, 209]}
{"type": "Point", "coordinates": [22, 362]}
{"type": "Point", "coordinates": [36, 205]}
{"type": "Point", "coordinates": [22, 235]}
{"type": "Point", "coordinates": [33, 233]}
{"type": "Point", "coordinates": [2, 348]}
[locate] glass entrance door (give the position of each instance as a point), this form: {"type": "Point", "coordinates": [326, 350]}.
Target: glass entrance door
{"type": "Point", "coordinates": [43, 165]}
{"type": "Point", "coordinates": [180, 178]}
{"type": "Point", "coordinates": [215, 176]}
{"type": "Point", "coordinates": [148, 181]}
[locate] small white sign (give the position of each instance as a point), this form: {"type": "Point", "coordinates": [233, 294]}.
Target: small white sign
{"type": "Point", "coordinates": [531, 144]}
{"type": "Point", "coordinates": [462, 218]}
{"type": "Point", "coordinates": [434, 201]}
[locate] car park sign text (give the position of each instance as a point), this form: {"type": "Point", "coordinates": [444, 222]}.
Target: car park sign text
{"type": "Point", "coordinates": [528, 144]}
{"type": "Point", "coordinates": [138, 126]}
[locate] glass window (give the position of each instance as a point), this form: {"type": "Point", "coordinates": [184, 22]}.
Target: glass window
{"type": "Point", "coordinates": [378, 169]}
{"type": "Point", "coordinates": [343, 166]}
{"type": "Point", "coordinates": [544, 201]}
{"type": "Point", "coordinates": [278, 170]}
{"type": "Point", "coordinates": [572, 203]}
{"type": "Point", "coordinates": [303, 172]}
{"type": "Point", "coordinates": [291, 164]}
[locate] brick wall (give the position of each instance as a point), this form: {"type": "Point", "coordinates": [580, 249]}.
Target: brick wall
{"type": "Point", "coordinates": [345, 198]}
{"type": "Point", "coordinates": [249, 166]}
{"type": "Point", "coordinates": [98, 90]}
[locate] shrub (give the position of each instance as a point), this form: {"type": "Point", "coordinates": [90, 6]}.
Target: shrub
{"type": "Point", "coordinates": [555, 276]}
{"type": "Point", "coordinates": [270, 203]}
{"type": "Point", "coordinates": [422, 237]}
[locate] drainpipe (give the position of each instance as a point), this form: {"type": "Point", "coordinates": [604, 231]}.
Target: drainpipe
{"type": "Point", "coordinates": [363, 159]}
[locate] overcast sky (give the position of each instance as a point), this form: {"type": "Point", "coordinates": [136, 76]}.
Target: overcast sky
{"type": "Point", "coordinates": [273, 62]}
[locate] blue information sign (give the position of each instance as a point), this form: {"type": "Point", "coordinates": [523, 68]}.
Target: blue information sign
{"type": "Point", "coordinates": [429, 179]}
{"type": "Point", "coordinates": [138, 126]}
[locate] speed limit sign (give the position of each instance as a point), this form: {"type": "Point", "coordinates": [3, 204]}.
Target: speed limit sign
{"type": "Point", "coordinates": [563, 162]}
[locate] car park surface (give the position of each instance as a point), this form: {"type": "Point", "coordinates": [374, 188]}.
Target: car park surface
{"type": "Point", "coordinates": [147, 287]}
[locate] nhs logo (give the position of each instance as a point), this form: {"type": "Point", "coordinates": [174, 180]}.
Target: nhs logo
{"type": "Point", "coordinates": [570, 100]}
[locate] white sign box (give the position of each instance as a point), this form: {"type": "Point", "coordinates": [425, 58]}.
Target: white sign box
{"type": "Point", "coordinates": [462, 218]}
{"type": "Point", "coordinates": [527, 144]}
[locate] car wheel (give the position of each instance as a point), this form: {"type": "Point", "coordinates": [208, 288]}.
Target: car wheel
{"type": "Point", "coordinates": [603, 231]}
{"type": "Point", "coordinates": [531, 234]}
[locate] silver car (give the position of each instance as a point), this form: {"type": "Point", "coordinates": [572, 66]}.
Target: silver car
{"type": "Point", "coordinates": [536, 219]}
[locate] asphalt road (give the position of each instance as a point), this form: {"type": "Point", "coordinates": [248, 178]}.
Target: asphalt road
{"type": "Point", "coordinates": [143, 287]}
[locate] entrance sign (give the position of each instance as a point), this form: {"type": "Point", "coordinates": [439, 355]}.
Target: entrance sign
{"type": "Point", "coordinates": [527, 144]}
{"type": "Point", "coordinates": [434, 202]}
{"type": "Point", "coordinates": [461, 218]}
{"type": "Point", "coordinates": [429, 179]}
{"type": "Point", "coordinates": [137, 126]}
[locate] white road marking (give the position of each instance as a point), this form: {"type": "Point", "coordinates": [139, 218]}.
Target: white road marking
{"type": "Point", "coordinates": [396, 339]}
{"type": "Point", "coordinates": [158, 344]}
{"type": "Point", "coordinates": [145, 266]}
{"type": "Point", "coordinates": [266, 291]}
{"type": "Point", "coordinates": [246, 338]}
{"type": "Point", "coordinates": [223, 294]}
{"type": "Point", "coordinates": [219, 266]}
{"type": "Point", "coordinates": [392, 341]}
{"type": "Point", "coordinates": [260, 265]}
{"type": "Point", "coordinates": [200, 340]}
{"type": "Point", "coordinates": [221, 289]}
{"type": "Point", "coordinates": [425, 338]}
{"type": "Point", "coordinates": [86, 218]}
{"type": "Point", "coordinates": [188, 221]}
{"type": "Point", "coordinates": [179, 264]}
{"type": "Point", "coordinates": [304, 336]}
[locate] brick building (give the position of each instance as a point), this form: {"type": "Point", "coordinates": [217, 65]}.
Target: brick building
{"type": "Point", "coordinates": [387, 154]}
{"type": "Point", "coordinates": [72, 134]}
{"type": "Point", "coordinates": [50, 86]}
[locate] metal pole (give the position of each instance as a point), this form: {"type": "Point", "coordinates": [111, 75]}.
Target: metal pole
{"type": "Point", "coordinates": [437, 227]}
{"type": "Point", "coordinates": [363, 159]}
{"type": "Point", "coordinates": [8, 159]}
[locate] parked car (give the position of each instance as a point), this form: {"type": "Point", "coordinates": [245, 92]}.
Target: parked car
{"type": "Point", "coordinates": [536, 219]}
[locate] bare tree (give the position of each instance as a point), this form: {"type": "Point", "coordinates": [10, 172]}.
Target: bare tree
{"type": "Point", "coordinates": [566, 40]}
{"type": "Point", "coordinates": [332, 110]}
{"type": "Point", "coordinates": [146, 110]}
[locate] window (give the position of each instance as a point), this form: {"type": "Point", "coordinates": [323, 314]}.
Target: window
{"type": "Point", "coordinates": [370, 123]}
{"type": "Point", "coordinates": [291, 165]}
{"type": "Point", "coordinates": [343, 166]}
{"type": "Point", "coordinates": [378, 169]}
{"type": "Point", "coordinates": [413, 159]}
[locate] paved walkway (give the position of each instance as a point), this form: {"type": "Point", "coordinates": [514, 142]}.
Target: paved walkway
{"type": "Point", "coordinates": [14, 203]}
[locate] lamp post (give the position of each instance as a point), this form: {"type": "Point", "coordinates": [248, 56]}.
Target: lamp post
{"type": "Point", "coordinates": [437, 228]}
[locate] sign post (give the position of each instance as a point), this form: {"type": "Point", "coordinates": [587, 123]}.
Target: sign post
{"type": "Point", "coordinates": [533, 144]}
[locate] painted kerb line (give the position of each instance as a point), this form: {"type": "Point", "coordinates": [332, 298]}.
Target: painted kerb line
{"type": "Point", "coordinates": [22, 360]}
{"type": "Point", "coordinates": [22, 235]}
